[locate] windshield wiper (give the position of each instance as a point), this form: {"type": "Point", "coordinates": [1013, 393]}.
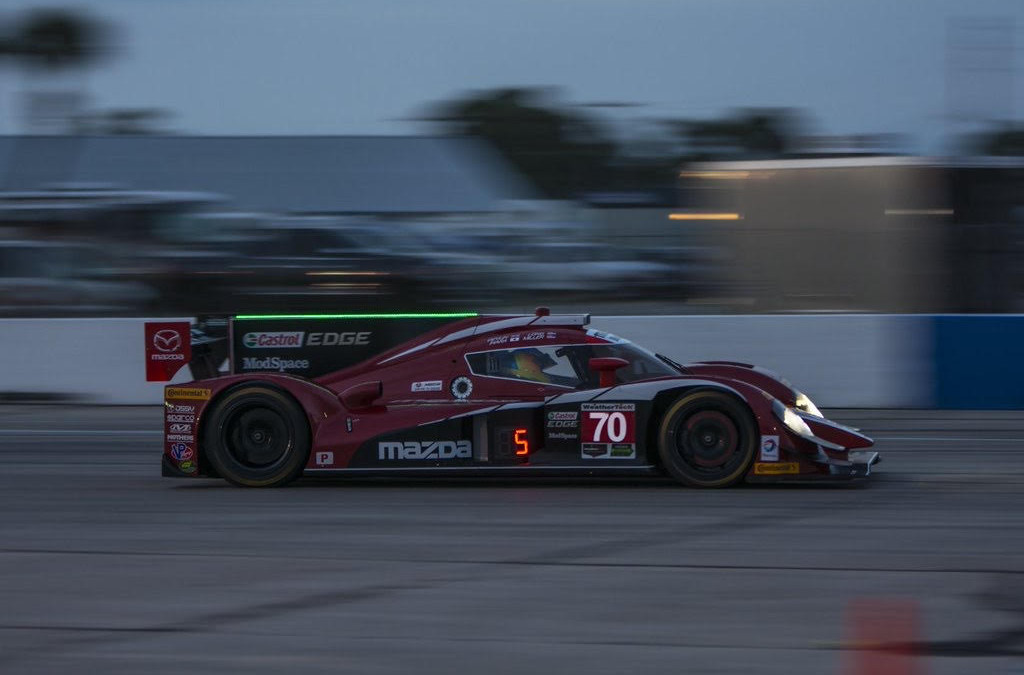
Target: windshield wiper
{"type": "Point", "coordinates": [678, 366]}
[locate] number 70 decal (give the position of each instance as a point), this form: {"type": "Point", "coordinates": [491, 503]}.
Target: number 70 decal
{"type": "Point", "coordinates": [608, 422]}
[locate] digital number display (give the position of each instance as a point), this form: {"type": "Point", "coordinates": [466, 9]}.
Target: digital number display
{"type": "Point", "coordinates": [512, 442]}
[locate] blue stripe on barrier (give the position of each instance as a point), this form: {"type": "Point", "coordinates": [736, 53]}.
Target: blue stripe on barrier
{"type": "Point", "coordinates": [979, 361]}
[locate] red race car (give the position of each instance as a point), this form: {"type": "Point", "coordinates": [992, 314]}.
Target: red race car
{"type": "Point", "coordinates": [447, 395]}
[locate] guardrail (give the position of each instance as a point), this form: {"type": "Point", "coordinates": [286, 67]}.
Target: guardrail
{"type": "Point", "coordinates": [842, 360]}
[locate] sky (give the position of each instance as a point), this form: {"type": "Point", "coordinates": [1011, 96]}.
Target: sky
{"type": "Point", "coordinates": [372, 66]}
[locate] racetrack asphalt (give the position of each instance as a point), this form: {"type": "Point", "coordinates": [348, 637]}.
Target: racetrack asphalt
{"type": "Point", "coordinates": [105, 567]}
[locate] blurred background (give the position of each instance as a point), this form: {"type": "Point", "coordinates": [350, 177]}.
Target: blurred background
{"type": "Point", "coordinates": [648, 157]}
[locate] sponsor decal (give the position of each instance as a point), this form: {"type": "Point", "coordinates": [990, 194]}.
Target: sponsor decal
{"type": "Point", "coordinates": [188, 466]}
{"type": "Point", "coordinates": [177, 428]}
{"type": "Point", "coordinates": [534, 336]}
{"type": "Point", "coordinates": [563, 420]}
{"type": "Point", "coordinates": [608, 407]}
{"type": "Point", "coordinates": [167, 340]}
{"type": "Point", "coordinates": [324, 458]}
{"type": "Point", "coordinates": [429, 385]}
{"type": "Point", "coordinates": [273, 339]}
{"type": "Point", "coordinates": [462, 387]}
{"type": "Point", "coordinates": [388, 450]}
{"type": "Point", "coordinates": [187, 419]}
{"type": "Point", "coordinates": [513, 338]}
{"type": "Point", "coordinates": [561, 436]}
{"type": "Point", "coordinates": [761, 469]}
{"type": "Point", "coordinates": [499, 340]}
{"type": "Point", "coordinates": [610, 426]}
{"type": "Point", "coordinates": [609, 451]}
{"type": "Point", "coordinates": [273, 363]}
{"type": "Point", "coordinates": [168, 348]}
{"type": "Point", "coordinates": [622, 451]}
{"type": "Point", "coordinates": [606, 337]}
{"type": "Point", "coordinates": [769, 448]}
{"type": "Point", "coordinates": [167, 343]}
{"type": "Point", "coordinates": [338, 339]}
{"type": "Point", "coordinates": [187, 438]}
{"type": "Point", "coordinates": [182, 409]}
{"type": "Point", "coordinates": [188, 393]}
{"type": "Point", "coordinates": [181, 452]}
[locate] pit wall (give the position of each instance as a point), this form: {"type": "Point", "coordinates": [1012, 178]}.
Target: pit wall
{"type": "Point", "coordinates": [841, 361]}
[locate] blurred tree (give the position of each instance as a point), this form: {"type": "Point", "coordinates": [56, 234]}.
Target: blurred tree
{"type": "Point", "coordinates": [46, 42]}
{"type": "Point", "coordinates": [122, 121]}
{"type": "Point", "coordinates": [745, 134]}
{"type": "Point", "coordinates": [60, 38]}
{"type": "Point", "coordinates": [564, 153]}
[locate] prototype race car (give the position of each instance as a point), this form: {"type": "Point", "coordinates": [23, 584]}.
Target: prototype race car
{"type": "Point", "coordinates": [496, 395]}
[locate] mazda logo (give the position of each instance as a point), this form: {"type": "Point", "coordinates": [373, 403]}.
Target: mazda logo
{"type": "Point", "coordinates": [167, 340]}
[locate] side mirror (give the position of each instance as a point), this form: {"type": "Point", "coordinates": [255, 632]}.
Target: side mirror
{"type": "Point", "coordinates": [607, 365]}
{"type": "Point", "coordinates": [362, 395]}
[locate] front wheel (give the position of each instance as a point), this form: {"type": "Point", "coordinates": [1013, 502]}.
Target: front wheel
{"type": "Point", "coordinates": [257, 436]}
{"type": "Point", "coordinates": [707, 439]}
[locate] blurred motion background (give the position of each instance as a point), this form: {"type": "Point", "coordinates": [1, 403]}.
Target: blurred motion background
{"type": "Point", "coordinates": [182, 158]}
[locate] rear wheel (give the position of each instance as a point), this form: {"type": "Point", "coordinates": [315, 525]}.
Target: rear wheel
{"type": "Point", "coordinates": [707, 439]}
{"type": "Point", "coordinates": [257, 436]}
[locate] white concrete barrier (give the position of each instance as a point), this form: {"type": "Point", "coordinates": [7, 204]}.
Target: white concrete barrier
{"type": "Point", "coordinates": [839, 360]}
{"type": "Point", "coordinates": [869, 361]}
{"type": "Point", "coordinates": [89, 360]}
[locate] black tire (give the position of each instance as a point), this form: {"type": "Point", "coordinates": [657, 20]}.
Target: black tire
{"type": "Point", "coordinates": [257, 436]}
{"type": "Point", "coordinates": [707, 439]}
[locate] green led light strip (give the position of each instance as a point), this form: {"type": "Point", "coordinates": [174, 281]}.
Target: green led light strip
{"type": "Point", "coordinates": [440, 315]}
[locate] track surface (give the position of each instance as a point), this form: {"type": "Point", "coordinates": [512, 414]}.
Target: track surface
{"type": "Point", "coordinates": [106, 567]}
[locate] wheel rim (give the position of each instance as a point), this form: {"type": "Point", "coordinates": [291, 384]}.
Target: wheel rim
{"type": "Point", "coordinates": [257, 437]}
{"type": "Point", "coordinates": [709, 441]}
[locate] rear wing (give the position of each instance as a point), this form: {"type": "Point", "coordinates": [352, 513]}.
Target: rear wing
{"type": "Point", "coordinates": [306, 345]}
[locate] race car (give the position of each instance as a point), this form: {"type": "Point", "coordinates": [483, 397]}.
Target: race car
{"type": "Point", "coordinates": [496, 395]}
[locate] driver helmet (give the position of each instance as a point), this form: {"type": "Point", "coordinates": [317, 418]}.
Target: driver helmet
{"type": "Point", "coordinates": [530, 365]}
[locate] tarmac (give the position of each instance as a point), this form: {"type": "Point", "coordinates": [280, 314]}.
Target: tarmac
{"type": "Point", "coordinates": [107, 567]}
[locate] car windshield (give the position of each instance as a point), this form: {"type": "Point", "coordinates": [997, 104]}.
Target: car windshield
{"type": "Point", "coordinates": [568, 365]}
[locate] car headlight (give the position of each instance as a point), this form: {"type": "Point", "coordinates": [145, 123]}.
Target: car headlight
{"type": "Point", "coordinates": [791, 420]}
{"type": "Point", "coordinates": [807, 405]}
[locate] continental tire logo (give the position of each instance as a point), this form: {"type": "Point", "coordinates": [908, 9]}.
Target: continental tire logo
{"type": "Point", "coordinates": [775, 469]}
{"type": "Point", "coordinates": [192, 393]}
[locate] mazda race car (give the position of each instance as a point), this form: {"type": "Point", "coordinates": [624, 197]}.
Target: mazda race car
{"type": "Point", "coordinates": [481, 395]}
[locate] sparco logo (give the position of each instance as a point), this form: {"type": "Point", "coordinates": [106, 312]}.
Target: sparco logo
{"type": "Point", "coordinates": [425, 450]}
{"type": "Point", "coordinates": [273, 340]}
{"type": "Point", "coordinates": [273, 363]}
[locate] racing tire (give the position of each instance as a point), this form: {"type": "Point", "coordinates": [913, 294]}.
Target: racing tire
{"type": "Point", "coordinates": [707, 439]}
{"type": "Point", "coordinates": [257, 436]}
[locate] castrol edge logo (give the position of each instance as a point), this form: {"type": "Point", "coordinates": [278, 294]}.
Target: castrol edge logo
{"type": "Point", "coordinates": [298, 338]}
{"type": "Point", "coordinates": [271, 340]}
